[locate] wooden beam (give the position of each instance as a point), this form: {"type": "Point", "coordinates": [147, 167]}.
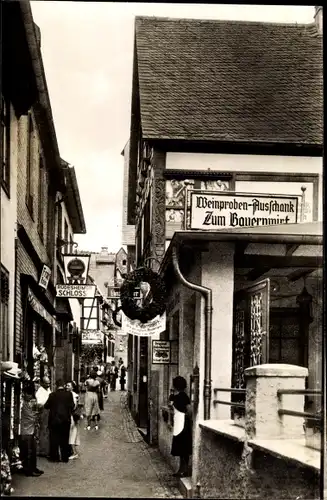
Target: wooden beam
{"type": "Point", "coordinates": [257, 272]}
{"type": "Point", "coordinates": [299, 273]}
{"type": "Point", "coordinates": [278, 261]}
{"type": "Point", "coordinates": [290, 249]}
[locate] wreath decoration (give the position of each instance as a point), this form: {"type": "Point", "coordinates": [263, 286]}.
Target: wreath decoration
{"type": "Point", "coordinates": [158, 292]}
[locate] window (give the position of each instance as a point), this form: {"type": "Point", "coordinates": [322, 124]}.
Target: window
{"type": "Point", "coordinates": [66, 237]}
{"type": "Point", "coordinates": [29, 165]}
{"type": "Point", "coordinates": [59, 229]}
{"type": "Point", "coordinates": [5, 144]}
{"type": "Point", "coordinates": [4, 316]}
{"type": "Point", "coordinates": [41, 198]}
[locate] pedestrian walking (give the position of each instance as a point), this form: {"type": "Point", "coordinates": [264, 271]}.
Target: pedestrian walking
{"type": "Point", "coordinates": [91, 404]}
{"type": "Point", "coordinates": [42, 395]}
{"type": "Point", "coordinates": [29, 415]}
{"type": "Point", "coordinates": [122, 379]}
{"type": "Point", "coordinates": [74, 433]}
{"type": "Point", "coordinates": [60, 405]}
{"type": "Point", "coordinates": [182, 431]}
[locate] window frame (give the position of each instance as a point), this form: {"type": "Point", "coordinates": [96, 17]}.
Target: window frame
{"type": "Point", "coordinates": [5, 144]}
{"type": "Point", "coordinates": [29, 164]}
{"type": "Point", "coordinates": [4, 316]}
{"type": "Point", "coordinates": [41, 212]}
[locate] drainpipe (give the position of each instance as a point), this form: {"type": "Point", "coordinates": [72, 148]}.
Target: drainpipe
{"type": "Point", "coordinates": [207, 294]}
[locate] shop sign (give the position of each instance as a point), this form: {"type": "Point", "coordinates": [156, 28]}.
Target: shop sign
{"type": "Point", "coordinates": [219, 210]}
{"type": "Point", "coordinates": [76, 291]}
{"type": "Point", "coordinates": [92, 337]}
{"type": "Point", "coordinates": [136, 327]}
{"type": "Point", "coordinates": [114, 292]}
{"type": "Point", "coordinates": [76, 269]}
{"type": "Point", "coordinates": [160, 352]}
{"type": "Point", "coordinates": [45, 277]}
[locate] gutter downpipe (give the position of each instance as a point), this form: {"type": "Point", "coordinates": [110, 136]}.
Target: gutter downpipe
{"type": "Point", "coordinates": [207, 294]}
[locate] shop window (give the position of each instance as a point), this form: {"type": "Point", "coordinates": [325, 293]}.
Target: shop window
{"type": "Point", "coordinates": [29, 164]}
{"type": "Point", "coordinates": [4, 316]}
{"type": "Point", "coordinates": [5, 144]}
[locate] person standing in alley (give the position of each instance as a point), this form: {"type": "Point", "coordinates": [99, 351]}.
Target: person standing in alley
{"type": "Point", "coordinates": [100, 389]}
{"type": "Point", "coordinates": [182, 431]}
{"type": "Point", "coordinates": [114, 376]}
{"type": "Point", "coordinates": [91, 403]}
{"type": "Point", "coordinates": [42, 395]}
{"type": "Point", "coordinates": [60, 405]}
{"type": "Point", "coordinates": [74, 437]}
{"type": "Point", "coordinates": [29, 415]}
{"type": "Point", "coordinates": [122, 379]}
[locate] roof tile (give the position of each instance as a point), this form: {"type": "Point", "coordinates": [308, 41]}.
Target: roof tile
{"type": "Point", "coordinates": [230, 80]}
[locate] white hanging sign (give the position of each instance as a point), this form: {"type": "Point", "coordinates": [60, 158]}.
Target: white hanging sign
{"type": "Point", "coordinates": [217, 210]}
{"type": "Point", "coordinates": [139, 329]}
{"type": "Point", "coordinates": [45, 276]}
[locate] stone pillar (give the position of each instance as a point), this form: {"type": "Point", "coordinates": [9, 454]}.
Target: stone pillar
{"type": "Point", "coordinates": [262, 420]}
{"type": "Point", "coordinates": [218, 274]}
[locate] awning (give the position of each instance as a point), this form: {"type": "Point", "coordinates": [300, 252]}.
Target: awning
{"type": "Point", "coordinates": [40, 310]}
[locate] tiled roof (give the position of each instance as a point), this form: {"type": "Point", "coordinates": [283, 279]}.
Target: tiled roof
{"type": "Point", "coordinates": [230, 80]}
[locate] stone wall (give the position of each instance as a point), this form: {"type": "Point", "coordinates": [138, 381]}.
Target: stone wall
{"type": "Point", "coordinates": [268, 458]}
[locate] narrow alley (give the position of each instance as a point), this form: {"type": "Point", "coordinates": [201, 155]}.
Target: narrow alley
{"type": "Point", "coordinates": [114, 462]}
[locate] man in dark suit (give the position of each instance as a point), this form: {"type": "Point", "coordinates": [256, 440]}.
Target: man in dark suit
{"type": "Point", "coordinates": [61, 406]}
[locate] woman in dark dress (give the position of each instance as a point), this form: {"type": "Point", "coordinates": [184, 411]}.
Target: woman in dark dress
{"type": "Point", "coordinates": [182, 433]}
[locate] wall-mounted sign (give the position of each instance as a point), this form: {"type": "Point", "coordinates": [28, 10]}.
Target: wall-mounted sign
{"type": "Point", "coordinates": [92, 337]}
{"type": "Point", "coordinates": [114, 292]}
{"type": "Point", "coordinates": [219, 210]}
{"type": "Point", "coordinates": [76, 291]}
{"type": "Point", "coordinates": [45, 277]}
{"type": "Point", "coordinates": [160, 352]}
{"type": "Point", "coordinates": [76, 268]}
{"type": "Point", "coordinates": [136, 327]}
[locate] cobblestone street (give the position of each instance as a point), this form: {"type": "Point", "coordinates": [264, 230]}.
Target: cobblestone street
{"type": "Point", "coordinates": [114, 462]}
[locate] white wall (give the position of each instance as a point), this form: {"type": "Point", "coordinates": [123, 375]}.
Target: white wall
{"type": "Point", "coordinates": [8, 225]}
{"type": "Point", "coordinates": [254, 163]}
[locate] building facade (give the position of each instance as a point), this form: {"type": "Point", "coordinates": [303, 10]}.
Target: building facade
{"type": "Point", "coordinates": [234, 126]}
{"type": "Point", "coordinates": [33, 182]}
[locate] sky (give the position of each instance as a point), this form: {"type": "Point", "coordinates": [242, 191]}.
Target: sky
{"type": "Point", "coordinates": [87, 50]}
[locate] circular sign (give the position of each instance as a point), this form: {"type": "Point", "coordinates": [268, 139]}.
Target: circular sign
{"type": "Point", "coordinates": [76, 267]}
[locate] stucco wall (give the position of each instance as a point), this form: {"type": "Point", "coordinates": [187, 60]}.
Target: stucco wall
{"type": "Point", "coordinates": [8, 226]}
{"type": "Point", "coordinates": [223, 474]}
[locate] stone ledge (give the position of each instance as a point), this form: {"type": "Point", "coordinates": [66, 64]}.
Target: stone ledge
{"type": "Point", "coordinates": [276, 370]}
{"type": "Point", "coordinates": [293, 450]}
{"type": "Point", "coordinates": [185, 487]}
{"type": "Point", "coordinates": [225, 428]}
